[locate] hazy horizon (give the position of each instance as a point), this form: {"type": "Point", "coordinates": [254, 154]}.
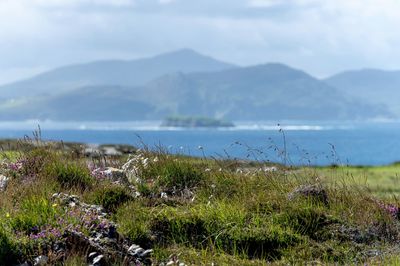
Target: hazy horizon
{"type": "Point", "coordinates": [319, 37]}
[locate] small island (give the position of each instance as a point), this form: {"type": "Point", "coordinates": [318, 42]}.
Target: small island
{"type": "Point", "coordinates": [195, 122]}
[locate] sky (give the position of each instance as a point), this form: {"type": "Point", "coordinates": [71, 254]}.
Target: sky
{"type": "Point", "coordinates": [322, 37]}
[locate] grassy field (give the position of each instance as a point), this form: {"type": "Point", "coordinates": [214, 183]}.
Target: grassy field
{"type": "Point", "coordinates": [195, 211]}
{"type": "Point", "coordinates": [382, 181]}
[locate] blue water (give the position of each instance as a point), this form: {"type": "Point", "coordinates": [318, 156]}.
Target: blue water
{"type": "Point", "coordinates": [309, 144]}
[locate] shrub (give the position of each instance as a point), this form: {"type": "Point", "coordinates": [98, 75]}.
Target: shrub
{"type": "Point", "coordinates": [8, 251]}
{"type": "Point", "coordinates": [111, 197]}
{"type": "Point", "coordinates": [34, 161]}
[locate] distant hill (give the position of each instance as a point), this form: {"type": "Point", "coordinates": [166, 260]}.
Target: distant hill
{"type": "Point", "coordinates": [263, 92]}
{"type": "Point", "coordinates": [370, 85]}
{"type": "Point", "coordinates": [111, 72]}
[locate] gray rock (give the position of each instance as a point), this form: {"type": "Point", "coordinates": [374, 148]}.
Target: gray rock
{"type": "Point", "coordinates": [137, 252]}
{"type": "Point", "coordinates": [92, 256]}
{"type": "Point", "coordinates": [93, 151]}
{"type": "Point", "coordinates": [104, 240]}
{"type": "Point", "coordinates": [65, 199]}
{"type": "Point", "coordinates": [110, 151]}
{"type": "Point", "coordinates": [146, 253]}
{"type": "Point", "coordinates": [3, 182]}
{"type": "Point", "coordinates": [270, 169]}
{"type": "Point", "coordinates": [99, 260]}
{"type": "Point", "coordinates": [40, 261]}
{"type": "Point", "coordinates": [132, 248]}
{"type": "Point", "coordinates": [115, 175]}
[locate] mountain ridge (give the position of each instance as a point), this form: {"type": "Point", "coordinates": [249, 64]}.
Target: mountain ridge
{"type": "Point", "coordinates": [266, 91]}
{"type": "Point", "coordinates": [106, 72]}
{"type": "Point", "coordinates": [375, 86]}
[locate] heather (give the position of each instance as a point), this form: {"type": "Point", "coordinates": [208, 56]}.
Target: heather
{"type": "Point", "coordinates": [66, 204]}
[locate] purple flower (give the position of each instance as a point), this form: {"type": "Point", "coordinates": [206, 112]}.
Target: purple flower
{"type": "Point", "coordinates": [390, 208]}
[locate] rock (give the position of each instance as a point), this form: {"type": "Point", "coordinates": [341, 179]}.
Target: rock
{"type": "Point", "coordinates": [3, 182]}
{"type": "Point", "coordinates": [92, 256]}
{"type": "Point", "coordinates": [270, 169]}
{"type": "Point", "coordinates": [314, 192]}
{"type": "Point", "coordinates": [40, 261]}
{"type": "Point", "coordinates": [110, 151]}
{"type": "Point", "coordinates": [146, 253]}
{"type": "Point", "coordinates": [65, 199]}
{"type": "Point", "coordinates": [92, 151]}
{"type": "Point", "coordinates": [137, 252]}
{"type": "Point", "coordinates": [113, 174]}
{"type": "Point", "coordinates": [103, 241]}
{"type": "Point", "coordinates": [99, 261]}
{"type": "Point", "coordinates": [132, 248]}
{"type": "Point", "coordinates": [187, 194]}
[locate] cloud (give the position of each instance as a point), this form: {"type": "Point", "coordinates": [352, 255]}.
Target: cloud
{"type": "Point", "coordinates": [79, 3]}
{"type": "Point", "coordinates": [265, 3]}
{"type": "Point", "coordinates": [319, 36]}
{"type": "Point", "coordinates": [166, 2]}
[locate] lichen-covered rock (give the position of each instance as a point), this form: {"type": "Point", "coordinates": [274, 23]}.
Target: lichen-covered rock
{"type": "Point", "coordinates": [3, 182]}
{"type": "Point", "coordinates": [103, 245]}
{"type": "Point", "coordinates": [112, 174]}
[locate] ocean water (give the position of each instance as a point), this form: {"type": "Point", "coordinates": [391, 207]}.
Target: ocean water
{"type": "Point", "coordinates": [295, 143]}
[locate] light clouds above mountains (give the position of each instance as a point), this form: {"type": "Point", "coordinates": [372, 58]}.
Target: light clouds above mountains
{"type": "Point", "coordinates": [319, 36]}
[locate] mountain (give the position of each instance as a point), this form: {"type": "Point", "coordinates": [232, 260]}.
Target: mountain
{"type": "Point", "coordinates": [111, 72]}
{"type": "Point", "coordinates": [371, 85]}
{"type": "Point", "coordinates": [264, 92]}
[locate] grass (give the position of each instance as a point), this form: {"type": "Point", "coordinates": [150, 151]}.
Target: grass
{"type": "Point", "coordinates": [382, 181]}
{"type": "Point", "coordinates": [201, 211]}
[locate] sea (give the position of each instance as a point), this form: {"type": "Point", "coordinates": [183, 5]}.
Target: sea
{"type": "Point", "coordinates": [316, 143]}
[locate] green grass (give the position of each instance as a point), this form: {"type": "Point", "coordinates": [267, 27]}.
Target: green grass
{"type": "Point", "coordinates": [383, 181]}
{"type": "Point", "coordinates": [111, 197]}
{"type": "Point", "coordinates": [209, 211]}
{"type": "Point", "coordinates": [9, 155]}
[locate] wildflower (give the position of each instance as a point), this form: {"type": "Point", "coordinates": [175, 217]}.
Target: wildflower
{"type": "Point", "coordinates": [8, 215]}
{"type": "Point", "coordinates": [54, 205]}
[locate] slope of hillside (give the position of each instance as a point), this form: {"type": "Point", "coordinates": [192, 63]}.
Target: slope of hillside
{"type": "Point", "coordinates": [265, 92]}
{"type": "Point", "coordinates": [371, 85]}
{"type": "Point", "coordinates": [124, 73]}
